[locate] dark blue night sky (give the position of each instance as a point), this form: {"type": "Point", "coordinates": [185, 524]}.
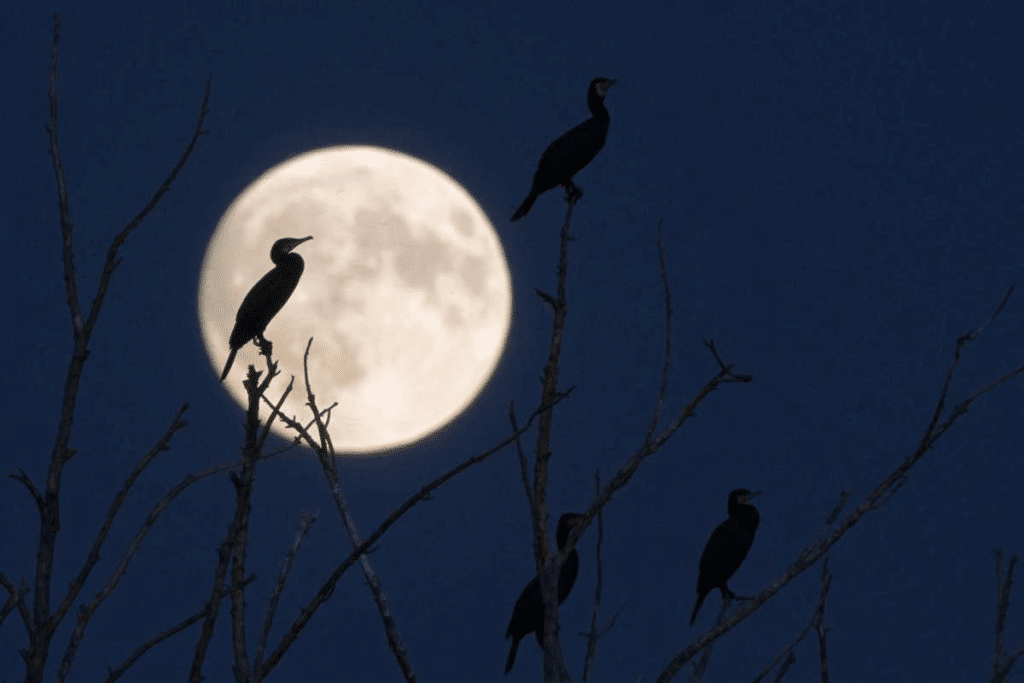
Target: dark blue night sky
{"type": "Point", "coordinates": [841, 190]}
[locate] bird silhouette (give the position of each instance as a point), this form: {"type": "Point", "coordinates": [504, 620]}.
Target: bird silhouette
{"type": "Point", "coordinates": [727, 548]}
{"type": "Point", "coordinates": [566, 156]}
{"type": "Point", "coordinates": [266, 298]}
{"type": "Point", "coordinates": [528, 614]}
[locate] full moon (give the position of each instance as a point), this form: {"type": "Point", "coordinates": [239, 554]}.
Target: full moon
{"type": "Point", "coordinates": [406, 293]}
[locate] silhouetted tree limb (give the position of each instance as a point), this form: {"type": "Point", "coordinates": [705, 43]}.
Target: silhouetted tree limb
{"type": "Point", "coordinates": [305, 525]}
{"type": "Point", "coordinates": [596, 630]}
{"type": "Point", "coordinates": [327, 587]}
{"type": "Point", "coordinates": [1003, 662]}
{"type": "Point", "coordinates": [548, 563]}
{"type": "Point", "coordinates": [882, 493]}
{"type": "Point", "coordinates": [116, 672]}
{"type": "Point", "coordinates": [324, 449]}
{"type": "Point", "coordinates": [43, 623]}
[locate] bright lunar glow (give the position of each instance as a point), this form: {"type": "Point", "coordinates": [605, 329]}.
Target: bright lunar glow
{"type": "Point", "coordinates": [406, 292]}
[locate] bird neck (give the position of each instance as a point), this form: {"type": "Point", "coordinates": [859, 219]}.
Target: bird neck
{"type": "Point", "coordinates": [595, 103]}
{"type": "Point", "coordinates": [290, 260]}
{"type": "Point", "coordinates": [737, 509]}
{"type": "Point", "coordinates": [747, 514]}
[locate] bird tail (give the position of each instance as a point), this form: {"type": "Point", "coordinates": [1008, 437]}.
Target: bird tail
{"type": "Point", "coordinates": [696, 608]}
{"type": "Point", "coordinates": [227, 366]}
{"type": "Point", "coordinates": [525, 207]}
{"type": "Point", "coordinates": [511, 655]}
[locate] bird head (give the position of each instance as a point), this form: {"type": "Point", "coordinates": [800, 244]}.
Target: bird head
{"type": "Point", "coordinates": [742, 496]}
{"type": "Point", "coordinates": [571, 519]}
{"type": "Point", "coordinates": [285, 245]}
{"type": "Point", "coordinates": [600, 85]}
{"type": "Point", "coordinates": [566, 523]}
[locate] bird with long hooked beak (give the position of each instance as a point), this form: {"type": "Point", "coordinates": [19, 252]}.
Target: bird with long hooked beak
{"type": "Point", "coordinates": [727, 548]}
{"type": "Point", "coordinates": [566, 156]}
{"type": "Point", "coordinates": [528, 614]}
{"type": "Point", "coordinates": [266, 298]}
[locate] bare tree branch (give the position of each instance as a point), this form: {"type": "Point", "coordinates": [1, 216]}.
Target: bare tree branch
{"type": "Point", "coordinates": [116, 673]}
{"type": "Point", "coordinates": [45, 624]}
{"type": "Point", "coordinates": [22, 476]}
{"type": "Point", "coordinates": [327, 588]}
{"type": "Point", "coordinates": [650, 447]}
{"type": "Point", "coordinates": [595, 612]}
{"type": "Point", "coordinates": [547, 571]}
{"type": "Point", "coordinates": [163, 444]}
{"type": "Point", "coordinates": [882, 493]}
{"type": "Point", "coordinates": [826, 581]}
{"type": "Point", "coordinates": [1002, 662]}
{"type": "Point", "coordinates": [305, 525]}
{"type": "Point", "coordinates": [666, 361]}
{"type": "Point", "coordinates": [787, 653]}
{"type": "Point", "coordinates": [324, 449]}
{"type": "Point", "coordinates": [15, 599]}
{"type": "Point", "coordinates": [595, 632]}
{"type": "Point", "coordinates": [86, 612]}
{"type": "Point", "coordinates": [524, 466]}
{"type": "Point", "coordinates": [63, 208]}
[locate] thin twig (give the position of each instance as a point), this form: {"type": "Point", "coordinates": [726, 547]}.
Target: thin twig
{"type": "Point", "coordinates": [16, 599]}
{"type": "Point", "coordinates": [22, 476]}
{"type": "Point", "coordinates": [826, 581]}
{"type": "Point", "coordinates": [524, 466]}
{"type": "Point", "coordinates": [666, 360]}
{"type": "Point", "coordinates": [595, 613]}
{"type": "Point", "coordinates": [115, 673]}
{"type": "Point", "coordinates": [1002, 663]}
{"type": "Point", "coordinates": [163, 444]}
{"type": "Point", "coordinates": [86, 612]}
{"type": "Point", "coordinates": [305, 524]}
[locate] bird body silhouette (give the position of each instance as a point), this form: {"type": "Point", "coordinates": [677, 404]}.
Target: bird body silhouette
{"type": "Point", "coordinates": [727, 548]}
{"type": "Point", "coordinates": [566, 156]}
{"type": "Point", "coordinates": [266, 298]}
{"type": "Point", "coordinates": [528, 614]}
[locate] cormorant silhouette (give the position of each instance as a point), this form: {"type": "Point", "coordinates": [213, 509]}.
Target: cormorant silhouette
{"type": "Point", "coordinates": [727, 548]}
{"type": "Point", "coordinates": [528, 614]}
{"type": "Point", "coordinates": [567, 155]}
{"type": "Point", "coordinates": [266, 298]}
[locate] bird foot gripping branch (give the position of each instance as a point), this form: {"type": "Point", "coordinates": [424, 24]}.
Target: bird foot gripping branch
{"type": "Point", "coordinates": [573, 192]}
{"type": "Point", "coordinates": [266, 346]}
